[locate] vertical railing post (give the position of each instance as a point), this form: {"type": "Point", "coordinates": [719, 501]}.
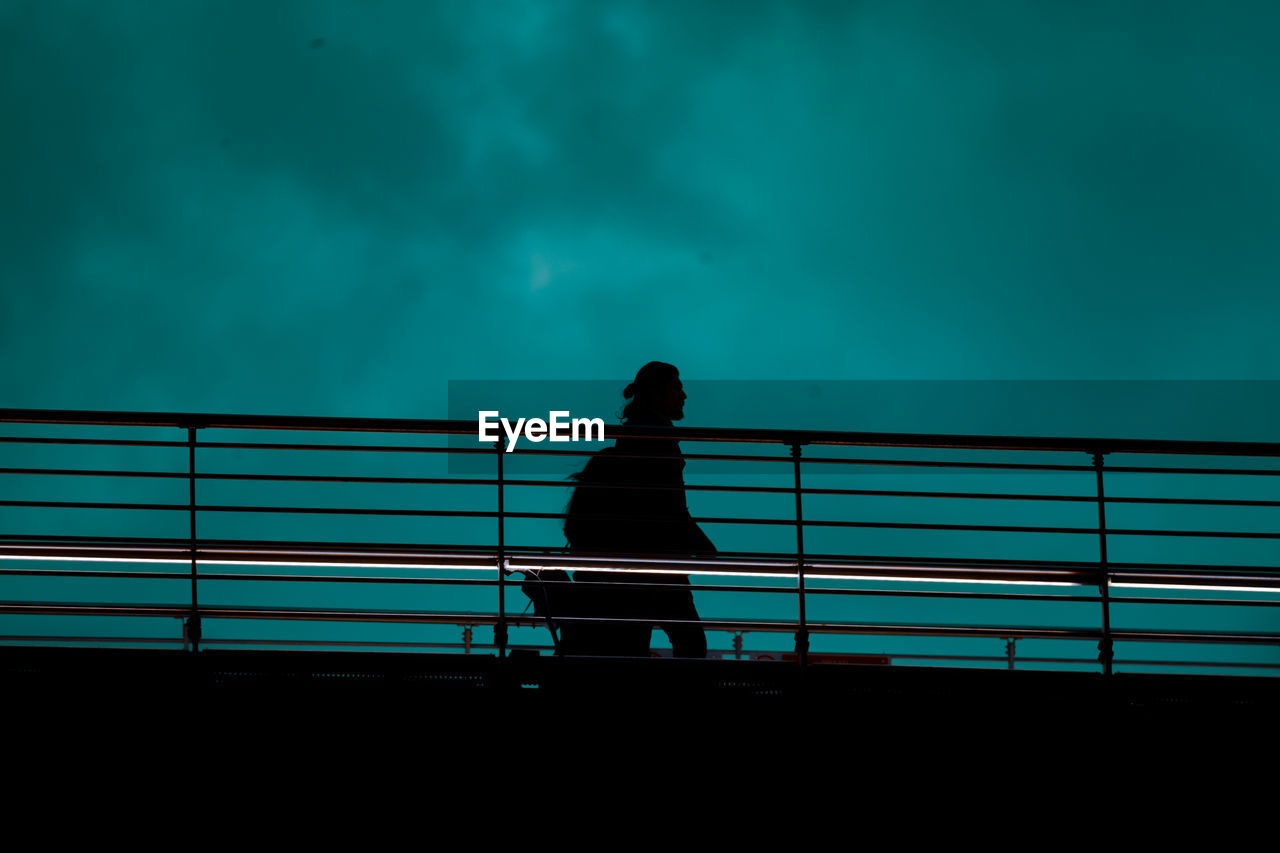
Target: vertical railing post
{"type": "Point", "coordinates": [192, 632]}
{"type": "Point", "coordinates": [802, 635]}
{"type": "Point", "coordinates": [1104, 575]}
{"type": "Point", "coordinates": [500, 629]}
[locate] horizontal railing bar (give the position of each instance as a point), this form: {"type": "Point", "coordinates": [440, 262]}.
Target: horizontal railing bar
{"type": "Point", "coordinates": [722, 588]}
{"type": "Point", "coordinates": [302, 478]}
{"type": "Point", "coordinates": [355, 643]}
{"type": "Point", "coordinates": [1189, 501]}
{"type": "Point", "coordinates": [251, 445]}
{"type": "Point", "coordinates": [899, 525]}
{"type": "Point", "coordinates": [216, 421]}
{"type": "Point", "coordinates": [864, 628]}
{"type": "Point", "coordinates": [1022, 659]}
{"type": "Point", "coordinates": [565, 484]}
{"type": "Point", "coordinates": [1195, 567]}
{"type": "Point", "coordinates": [699, 519]}
{"type": "Point", "coordinates": [1123, 577]}
{"type": "Point", "coordinates": [1195, 637]}
{"type": "Point", "coordinates": [908, 567]}
{"type": "Point", "coordinates": [354, 615]}
{"type": "Point", "coordinates": [520, 552]}
{"type": "Point", "coordinates": [36, 638]}
{"type": "Point", "coordinates": [1002, 632]}
{"type": "Point", "coordinates": [726, 588]}
{"type": "Point", "coordinates": [640, 565]}
{"type": "Point", "coordinates": [899, 493]}
{"type": "Point", "coordinates": [1059, 633]}
{"type": "Point", "coordinates": [85, 472]}
{"type": "Point", "coordinates": [1225, 602]}
{"type": "Point", "coordinates": [466, 427]}
{"type": "Point", "coordinates": [93, 544]}
{"type": "Point", "coordinates": [1001, 661]}
{"type": "Point", "coordinates": [776, 590]}
{"type": "Point", "coordinates": [1217, 534]}
{"type": "Point", "coordinates": [178, 475]}
{"type": "Point", "coordinates": [725, 655]}
{"type": "Point", "coordinates": [357, 615]}
{"type": "Point", "coordinates": [1004, 596]}
{"type": "Point", "coordinates": [356, 448]}
{"type": "Point", "coordinates": [1133, 469]}
{"type": "Point", "coordinates": [541, 515]}
{"type": "Point", "coordinates": [968, 572]}
{"type": "Point", "coordinates": [1092, 499]}
{"type": "Point", "coordinates": [17, 439]}
{"type": "Point", "coordinates": [228, 576]}
{"type": "Point", "coordinates": [820, 460]}
{"type": "Point", "coordinates": [92, 573]}
{"type": "Point", "coordinates": [280, 509]}
{"type": "Point", "coordinates": [710, 457]}
{"type": "Point", "coordinates": [206, 641]}
{"type": "Point", "coordinates": [695, 456]}
{"type": "Point", "coordinates": [338, 615]}
{"type": "Point", "coordinates": [206, 557]}
{"type": "Point", "coordinates": [223, 611]}
{"type": "Point", "coordinates": [1240, 664]}
{"type": "Point", "coordinates": [269, 544]}
{"type": "Point", "coordinates": [930, 463]}
{"type": "Point", "coordinates": [541, 551]}
{"type": "Point", "coordinates": [648, 563]}
{"type": "Point", "coordinates": [96, 505]}
{"type": "Point", "coordinates": [813, 523]}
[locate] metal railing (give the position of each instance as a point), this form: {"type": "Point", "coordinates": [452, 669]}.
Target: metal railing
{"type": "Point", "coordinates": [804, 574]}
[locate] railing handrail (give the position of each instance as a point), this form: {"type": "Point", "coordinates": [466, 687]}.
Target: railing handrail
{"type": "Point", "coordinates": [187, 420]}
{"type": "Point", "coordinates": [508, 558]}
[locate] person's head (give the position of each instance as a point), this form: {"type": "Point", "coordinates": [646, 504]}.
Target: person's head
{"type": "Point", "coordinates": [656, 394]}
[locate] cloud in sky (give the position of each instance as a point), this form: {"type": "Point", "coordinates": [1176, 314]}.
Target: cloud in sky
{"type": "Point", "coordinates": [333, 207]}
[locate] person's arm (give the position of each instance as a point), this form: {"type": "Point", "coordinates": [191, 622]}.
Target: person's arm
{"type": "Point", "coordinates": [699, 543]}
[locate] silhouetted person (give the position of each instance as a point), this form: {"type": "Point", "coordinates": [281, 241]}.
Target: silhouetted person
{"type": "Point", "coordinates": [647, 521]}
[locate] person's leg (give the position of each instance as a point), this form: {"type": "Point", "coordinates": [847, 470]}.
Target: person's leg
{"type": "Point", "coordinates": [553, 600]}
{"type": "Point", "coordinates": [632, 637]}
{"type": "Point", "coordinates": [606, 600]}
{"type": "Point", "coordinates": [688, 640]}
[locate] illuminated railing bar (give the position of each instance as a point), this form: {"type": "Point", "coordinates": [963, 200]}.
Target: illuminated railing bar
{"type": "Point", "coordinates": [911, 579]}
{"type": "Point", "coordinates": [93, 559]}
{"type": "Point", "coordinates": [622, 565]}
{"type": "Point", "coordinates": [339, 565]}
{"type": "Point", "coordinates": [818, 571]}
{"type": "Point", "coordinates": [208, 562]}
{"type": "Point", "coordinates": [654, 570]}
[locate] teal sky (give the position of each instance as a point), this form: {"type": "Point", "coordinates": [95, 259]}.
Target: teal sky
{"type": "Point", "coordinates": [333, 208]}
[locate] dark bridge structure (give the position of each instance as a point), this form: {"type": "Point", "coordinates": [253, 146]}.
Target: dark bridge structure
{"type": "Point", "coordinates": [119, 571]}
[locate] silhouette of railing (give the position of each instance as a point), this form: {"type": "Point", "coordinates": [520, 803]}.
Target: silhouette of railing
{"type": "Point", "coordinates": [793, 572]}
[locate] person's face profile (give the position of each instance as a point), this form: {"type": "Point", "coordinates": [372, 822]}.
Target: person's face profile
{"type": "Point", "coordinates": [673, 398]}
